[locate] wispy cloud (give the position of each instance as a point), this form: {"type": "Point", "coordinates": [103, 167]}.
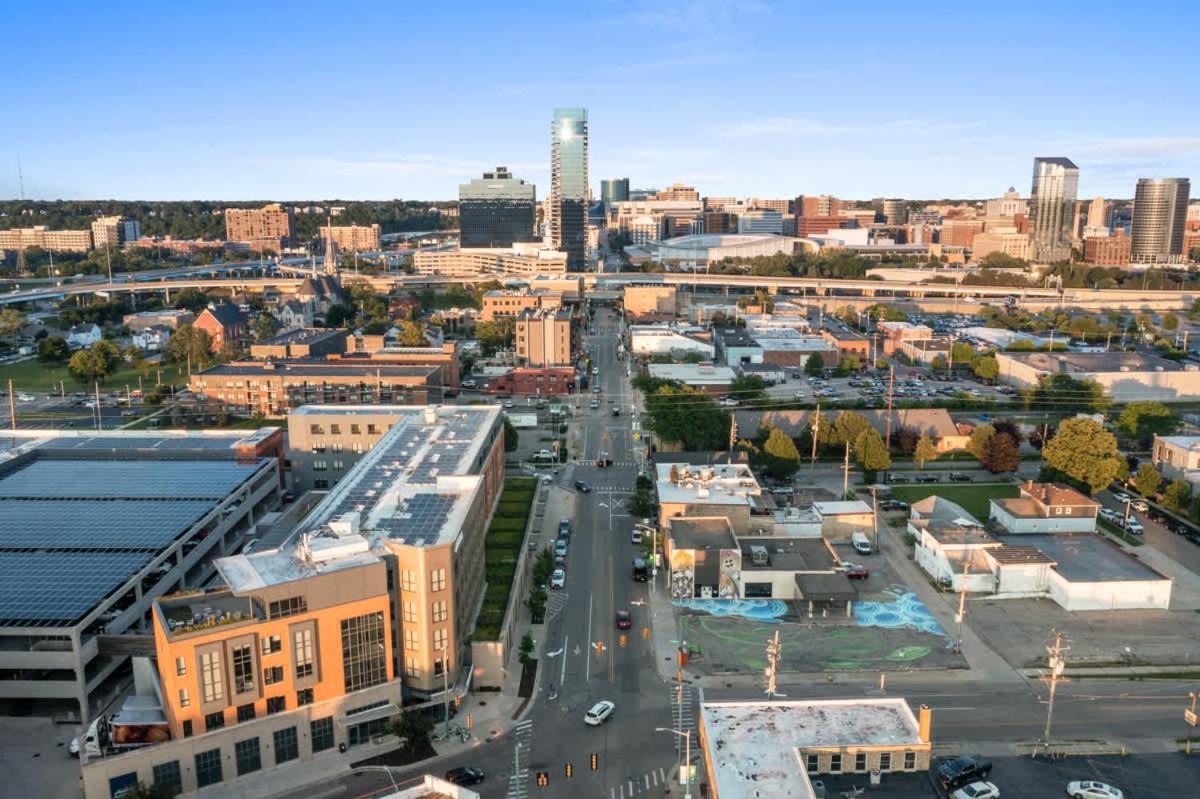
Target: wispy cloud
{"type": "Point", "coordinates": [1138, 148]}
{"type": "Point", "coordinates": [691, 16]}
{"type": "Point", "coordinates": [803, 126]}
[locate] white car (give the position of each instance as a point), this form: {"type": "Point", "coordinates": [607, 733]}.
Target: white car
{"type": "Point", "coordinates": [23, 397]}
{"type": "Point", "coordinates": [799, 395]}
{"type": "Point", "coordinates": [637, 536]}
{"type": "Point", "coordinates": [599, 713]}
{"type": "Point", "coordinates": [730, 402]}
{"type": "Point", "coordinates": [977, 790]}
{"type": "Point", "coordinates": [1140, 505]}
{"type": "Point", "coordinates": [1087, 789]}
{"type": "Point", "coordinates": [558, 579]}
{"type": "Point", "coordinates": [1120, 496]}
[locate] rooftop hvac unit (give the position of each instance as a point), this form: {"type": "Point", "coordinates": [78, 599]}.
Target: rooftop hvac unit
{"type": "Point", "coordinates": [759, 555]}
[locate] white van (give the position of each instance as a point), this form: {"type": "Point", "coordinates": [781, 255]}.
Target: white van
{"type": "Point", "coordinates": [861, 544]}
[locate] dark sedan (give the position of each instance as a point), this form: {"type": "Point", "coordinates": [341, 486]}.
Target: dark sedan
{"type": "Point", "coordinates": [465, 775]}
{"type": "Point", "coordinates": [582, 487]}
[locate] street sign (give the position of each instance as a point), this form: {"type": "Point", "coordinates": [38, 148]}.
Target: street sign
{"type": "Point", "coordinates": [1189, 716]}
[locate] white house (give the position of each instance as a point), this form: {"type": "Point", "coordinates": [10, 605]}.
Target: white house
{"type": "Point", "coordinates": [84, 335]}
{"type": "Point", "coordinates": [152, 339]}
{"type": "Point", "coordinates": [1177, 457]}
{"type": "Point", "coordinates": [293, 314]}
{"type": "Point", "coordinates": [1046, 508]}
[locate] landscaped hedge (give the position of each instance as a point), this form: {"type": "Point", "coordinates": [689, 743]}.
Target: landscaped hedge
{"type": "Point", "coordinates": [502, 550]}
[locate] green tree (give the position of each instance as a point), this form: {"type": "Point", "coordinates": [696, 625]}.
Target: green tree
{"type": "Point", "coordinates": [412, 334]}
{"type": "Point", "coordinates": [1176, 495]}
{"type": "Point", "coordinates": [849, 365]}
{"type": "Point", "coordinates": [53, 349]}
{"type": "Point", "coordinates": [780, 455]}
{"type": "Point", "coordinates": [814, 366]}
{"type": "Point", "coordinates": [525, 651]}
{"type": "Point", "coordinates": [869, 451]}
{"type": "Point", "coordinates": [979, 438]}
{"type": "Point", "coordinates": [925, 451]}
{"type": "Point", "coordinates": [12, 321]}
{"type": "Point", "coordinates": [96, 363]}
{"type": "Point", "coordinates": [1170, 321]}
{"type": "Point", "coordinates": [193, 300]}
{"type": "Point", "coordinates": [1000, 454]}
{"type": "Point", "coordinates": [1084, 451]}
{"type": "Point", "coordinates": [962, 353]}
{"type": "Point", "coordinates": [846, 428]}
{"type": "Point", "coordinates": [683, 415]}
{"type": "Point", "coordinates": [512, 439]}
{"type": "Point", "coordinates": [1147, 480]}
{"type": "Point", "coordinates": [748, 388]}
{"type": "Point", "coordinates": [939, 362]}
{"type": "Point", "coordinates": [1142, 421]}
{"type": "Point", "coordinates": [264, 327]}
{"type": "Point", "coordinates": [1065, 393]}
{"type": "Point", "coordinates": [496, 335]}
{"type": "Point", "coordinates": [985, 367]}
{"type": "Point", "coordinates": [340, 315]}
{"type": "Point", "coordinates": [191, 346]}
{"type": "Point", "coordinates": [413, 728]}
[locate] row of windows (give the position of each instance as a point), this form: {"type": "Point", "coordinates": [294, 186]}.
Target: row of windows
{"type": "Point", "coordinates": [291, 606]}
{"type": "Point", "coordinates": [322, 465]}
{"type": "Point", "coordinates": [336, 429]}
{"type": "Point", "coordinates": [275, 704]}
{"type": "Point", "coordinates": [212, 686]}
{"type": "Point", "coordinates": [248, 755]}
{"type": "Point", "coordinates": [438, 611]}
{"type": "Point", "coordinates": [812, 763]}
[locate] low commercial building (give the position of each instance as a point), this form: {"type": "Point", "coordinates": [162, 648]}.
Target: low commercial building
{"type": "Point", "coordinates": [1000, 338]}
{"type": "Point", "coordinates": [1177, 457]}
{"type": "Point", "coordinates": [1124, 376]}
{"type": "Point", "coordinates": [926, 351]}
{"type": "Point", "coordinates": [94, 527]}
{"type": "Point", "coordinates": [795, 569]}
{"type": "Point", "coordinates": [779, 346]}
{"type": "Point", "coordinates": [312, 342]}
{"type": "Point", "coordinates": [704, 558]}
{"type": "Point", "coordinates": [509, 303]}
{"type": "Point", "coordinates": [776, 748]}
{"type": "Point", "coordinates": [316, 645]}
{"type": "Point", "coordinates": [843, 518]}
{"type": "Point", "coordinates": [848, 341]}
{"type": "Point", "coordinates": [545, 338]}
{"type": "Point", "coordinates": [521, 259]}
{"type": "Point", "coordinates": [712, 380]}
{"type": "Point", "coordinates": [650, 302]}
{"type": "Point", "coordinates": [702, 249]}
{"type": "Point", "coordinates": [275, 387]}
{"type": "Point", "coordinates": [895, 334]}
{"type": "Point", "coordinates": [534, 382]}
{"type": "Point", "coordinates": [676, 341]}
{"type": "Point", "coordinates": [173, 319]}
{"type": "Point", "coordinates": [1045, 508]}
{"type": "Point", "coordinates": [728, 490]}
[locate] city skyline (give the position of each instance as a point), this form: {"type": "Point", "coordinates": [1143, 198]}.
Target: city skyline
{"type": "Point", "coordinates": [192, 126]}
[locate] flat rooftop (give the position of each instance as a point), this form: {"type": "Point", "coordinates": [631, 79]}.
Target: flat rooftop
{"type": "Point", "coordinates": [319, 368]}
{"type": "Point", "coordinates": [788, 554]}
{"type": "Point", "coordinates": [756, 748]}
{"type": "Point", "coordinates": [413, 488]}
{"type": "Point", "coordinates": [692, 373]}
{"type": "Point", "coordinates": [704, 532]}
{"type": "Point", "coordinates": [304, 335]}
{"type": "Point", "coordinates": [720, 484]}
{"type": "Point", "coordinates": [1085, 557]}
{"type": "Point", "coordinates": [77, 524]}
{"type": "Point", "coordinates": [1089, 362]}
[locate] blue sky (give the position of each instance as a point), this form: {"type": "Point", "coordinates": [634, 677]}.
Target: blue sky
{"type": "Point", "coordinates": [353, 100]}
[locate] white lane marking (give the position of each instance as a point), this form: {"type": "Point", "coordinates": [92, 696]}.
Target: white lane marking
{"type": "Point", "coordinates": [588, 670]}
{"type": "Point", "coordinates": [562, 679]}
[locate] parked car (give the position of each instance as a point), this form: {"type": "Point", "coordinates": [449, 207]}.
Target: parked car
{"type": "Point", "coordinates": [855, 571]}
{"type": "Point", "coordinates": [558, 579]}
{"type": "Point", "coordinates": [1140, 505]}
{"type": "Point", "coordinates": [560, 548]}
{"type": "Point", "coordinates": [1089, 789]}
{"type": "Point", "coordinates": [929, 478]}
{"type": "Point", "coordinates": [624, 620]}
{"type": "Point", "coordinates": [599, 713]}
{"type": "Point", "coordinates": [960, 477]}
{"type": "Point", "coordinates": [582, 487]}
{"type": "Point", "coordinates": [465, 775]}
{"type": "Point", "coordinates": [977, 790]}
{"type": "Point", "coordinates": [636, 537]}
{"type": "Point", "coordinates": [1134, 527]}
{"type": "Point", "coordinates": [893, 504]}
{"type": "Point", "coordinates": [729, 402]}
{"type": "Point", "coordinates": [897, 478]}
{"type": "Point", "coordinates": [962, 770]}
{"type": "Point", "coordinates": [1121, 496]}
{"type": "Point", "coordinates": [564, 528]}
{"type": "Point", "coordinates": [1108, 514]}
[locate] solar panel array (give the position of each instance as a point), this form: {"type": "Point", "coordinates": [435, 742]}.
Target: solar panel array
{"type": "Point", "coordinates": [47, 477]}
{"type": "Point", "coordinates": [421, 519]}
{"type": "Point", "coordinates": [60, 586]}
{"type": "Point", "coordinates": [145, 442]}
{"type": "Point", "coordinates": [90, 524]}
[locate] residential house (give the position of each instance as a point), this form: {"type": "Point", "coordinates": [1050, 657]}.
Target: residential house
{"type": "Point", "coordinates": [933, 422]}
{"type": "Point", "coordinates": [153, 338]}
{"type": "Point", "coordinates": [84, 335]}
{"type": "Point", "coordinates": [224, 323]}
{"type": "Point", "coordinates": [1046, 508]}
{"type": "Point", "coordinates": [293, 314]}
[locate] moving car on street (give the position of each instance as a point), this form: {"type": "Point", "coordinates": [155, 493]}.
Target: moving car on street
{"type": "Point", "coordinates": [624, 620]}
{"type": "Point", "coordinates": [599, 713]}
{"type": "Point", "coordinates": [1090, 789]}
{"type": "Point", "coordinates": [582, 487]}
{"type": "Point", "coordinates": [465, 775]}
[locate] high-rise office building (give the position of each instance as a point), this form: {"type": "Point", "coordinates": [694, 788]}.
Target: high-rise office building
{"type": "Point", "coordinates": [678, 191]}
{"type": "Point", "coordinates": [823, 205]}
{"type": "Point", "coordinates": [496, 210]}
{"type": "Point", "coordinates": [1052, 208]}
{"type": "Point", "coordinates": [569, 185]}
{"type": "Point", "coordinates": [1097, 216]}
{"type": "Point", "coordinates": [615, 190]}
{"type": "Point", "coordinates": [113, 231]}
{"type": "Point", "coordinates": [269, 228]}
{"type": "Point", "coordinates": [895, 212]}
{"type": "Point", "coordinates": [1159, 217]}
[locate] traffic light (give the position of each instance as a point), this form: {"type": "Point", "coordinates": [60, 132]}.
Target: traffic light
{"type": "Point", "coordinates": [595, 761]}
{"type": "Point", "coordinates": [624, 639]}
{"type": "Point", "coordinates": [469, 722]}
{"type": "Point", "coordinates": [599, 647]}
{"type": "Point", "coordinates": [645, 633]}
{"type": "Point", "coordinates": [569, 770]}
{"type": "Point", "coordinates": [543, 779]}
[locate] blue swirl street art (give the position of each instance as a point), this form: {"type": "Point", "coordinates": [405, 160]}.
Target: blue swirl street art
{"type": "Point", "coordinates": [906, 611]}
{"type": "Point", "coordinates": [763, 610]}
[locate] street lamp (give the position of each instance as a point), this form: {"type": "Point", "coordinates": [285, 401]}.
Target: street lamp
{"type": "Point", "coordinates": [686, 735]}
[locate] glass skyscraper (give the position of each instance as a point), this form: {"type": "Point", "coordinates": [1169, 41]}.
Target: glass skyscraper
{"type": "Point", "coordinates": [1052, 208]}
{"type": "Point", "coordinates": [569, 185]}
{"type": "Point", "coordinates": [1159, 217]}
{"type": "Point", "coordinates": [496, 210]}
{"type": "Point", "coordinates": [614, 191]}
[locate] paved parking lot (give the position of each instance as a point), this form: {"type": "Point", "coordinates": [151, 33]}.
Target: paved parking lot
{"type": "Point", "coordinates": [873, 387]}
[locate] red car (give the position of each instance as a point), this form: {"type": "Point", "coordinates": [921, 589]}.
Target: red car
{"type": "Point", "coordinates": [624, 620]}
{"type": "Point", "coordinates": [856, 572]}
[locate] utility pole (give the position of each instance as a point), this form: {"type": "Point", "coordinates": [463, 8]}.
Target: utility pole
{"type": "Point", "coordinates": [887, 439]}
{"type": "Point", "coordinates": [774, 653]}
{"type": "Point", "coordinates": [1056, 669]}
{"type": "Point", "coordinates": [816, 434]}
{"type": "Point", "coordinates": [1189, 716]}
{"type": "Point", "coordinates": [846, 472]}
{"type": "Point", "coordinates": [99, 417]}
{"type": "Point", "coordinates": [12, 407]}
{"type": "Point", "coordinates": [962, 605]}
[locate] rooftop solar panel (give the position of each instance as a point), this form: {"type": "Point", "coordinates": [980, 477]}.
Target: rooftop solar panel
{"type": "Point", "coordinates": [59, 587]}
{"type": "Point", "coordinates": [48, 477]}
{"type": "Point", "coordinates": [144, 443]}
{"type": "Point", "coordinates": [96, 524]}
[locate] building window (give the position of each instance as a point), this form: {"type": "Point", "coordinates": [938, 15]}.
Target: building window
{"type": "Point", "coordinates": [272, 675]}
{"type": "Point", "coordinates": [439, 612]}
{"type": "Point", "coordinates": [166, 776]}
{"type": "Point", "coordinates": [812, 764]}
{"type": "Point", "coordinates": [286, 747]}
{"type": "Point", "coordinates": [410, 640]}
{"type": "Point", "coordinates": [214, 721]}
{"type": "Point", "coordinates": [355, 430]}
{"type": "Point", "coordinates": [304, 697]}
{"type": "Point", "coordinates": [211, 686]}
{"type": "Point", "coordinates": [910, 761]}
{"type": "Point", "coordinates": [249, 756]}
{"type": "Point", "coordinates": [439, 639]}
{"type": "Point", "coordinates": [271, 644]}
{"type": "Point", "coordinates": [180, 667]}
{"type": "Point", "coordinates": [302, 646]}
{"type": "Point", "coordinates": [361, 733]}
{"type": "Point", "coordinates": [364, 654]}
{"type": "Point", "coordinates": [437, 580]}
{"type": "Point", "coordinates": [835, 764]}
{"type": "Point", "coordinates": [885, 761]}
{"type": "Point", "coordinates": [860, 761]}
{"type": "Point", "coordinates": [339, 465]}
{"type": "Point", "coordinates": [185, 700]}
{"type": "Point", "coordinates": [372, 430]}
{"type": "Point", "coordinates": [410, 611]}
{"type": "Point", "coordinates": [208, 768]}
{"type": "Point", "coordinates": [243, 670]}
{"type": "Point", "coordinates": [291, 606]}
{"type": "Point", "coordinates": [276, 704]}
{"type": "Point", "coordinates": [412, 669]}
{"type": "Point", "coordinates": [335, 430]}
{"type": "Point", "coordinates": [320, 466]}
{"type": "Point", "coordinates": [316, 430]}
{"type": "Point", "coordinates": [320, 483]}
{"type": "Point", "coordinates": [187, 728]}
{"type": "Point", "coordinates": [321, 732]}
{"type": "Point", "coordinates": [408, 581]}
{"type": "Point", "coordinates": [245, 712]}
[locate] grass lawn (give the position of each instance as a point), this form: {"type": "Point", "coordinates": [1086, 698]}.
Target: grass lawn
{"type": "Point", "coordinates": [973, 497]}
{"type": "Point", "coordinates": [502, 549]}
{"type": "Point", "coordinates": [43, 378]}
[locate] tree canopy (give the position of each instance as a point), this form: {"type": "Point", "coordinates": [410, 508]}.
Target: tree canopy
{"type": "Point", "coordinates": [1144, 420]}
{"type": "Point", "coordinates": [683, 415]}
{"type": "Point", "coordinates": [1084, 451]}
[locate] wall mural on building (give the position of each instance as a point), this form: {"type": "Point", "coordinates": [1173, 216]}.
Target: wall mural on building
{"type": "Point", "coordinates": [731, 574]}
{"type": "Point", "coordinates": [683, 574]}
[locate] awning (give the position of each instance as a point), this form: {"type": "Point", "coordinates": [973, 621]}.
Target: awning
{"type": "Point", "coordinates": [381, 712]}
{"type": "Point", "coordinates": [826, 587]}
